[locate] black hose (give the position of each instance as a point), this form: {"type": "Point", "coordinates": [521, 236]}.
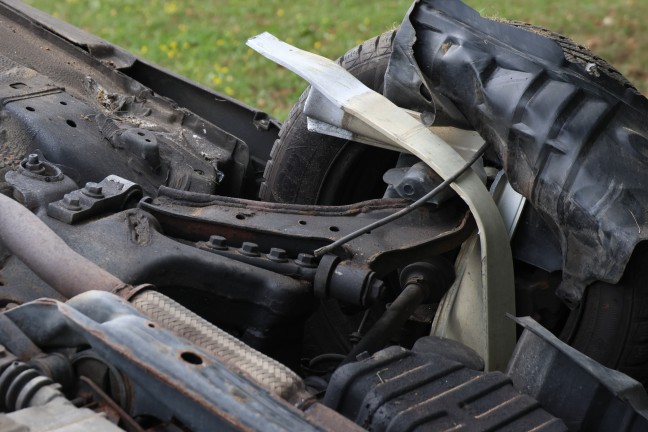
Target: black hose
{"type": "Point", "coordinates": [47, 255]}
{"type": "Point", "coordinates": [390, 322]}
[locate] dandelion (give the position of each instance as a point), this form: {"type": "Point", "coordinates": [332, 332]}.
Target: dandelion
{"type": "Point", "coordinates": [280, 12]}
{"type": "Point", "coordinates": [170, 8]}
{"type": "Point", "coordinates": [317, 45]}
{"type": "Point", "coordinates": [143, 49]}
{"type": "Point", "coordinates": [229, 91]}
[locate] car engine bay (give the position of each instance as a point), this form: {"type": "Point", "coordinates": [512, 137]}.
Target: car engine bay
{"type": "Point", "coordinates": [163, 267]}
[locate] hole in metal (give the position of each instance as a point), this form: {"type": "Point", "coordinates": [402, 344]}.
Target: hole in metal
{"type": "Point", "coordinates": [192, 358]}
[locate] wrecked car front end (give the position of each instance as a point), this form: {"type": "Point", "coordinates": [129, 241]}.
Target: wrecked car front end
{"type": "Point", "coordinates": [145, 286]}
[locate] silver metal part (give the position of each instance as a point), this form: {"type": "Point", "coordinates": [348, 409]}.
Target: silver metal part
{"type": "Point", "coordinates": [58, 415]}
{"type": "Point", "coordinates": [269, 373]}
{"type": "Point", "coordinates": [510, 202]}
{"type": "Point", "coordinates": [365, 112]}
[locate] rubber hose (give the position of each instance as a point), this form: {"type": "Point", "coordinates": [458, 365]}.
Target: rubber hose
{"type": "Point", "coordinates": [171, 315]}
{"type": "Point", "coordinates": [390, 322]}
{"type": "Point", "coordinates": [47, 255]}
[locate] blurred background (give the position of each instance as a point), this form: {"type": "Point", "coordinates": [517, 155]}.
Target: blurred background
{"type": "Point", "coordinates": [204, 40]}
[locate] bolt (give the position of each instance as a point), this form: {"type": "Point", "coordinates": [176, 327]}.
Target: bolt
{"type": "Point", "coordinates": [277, 255]}
{"type": "Point", "coordinates": [408, 189]}
{"type": "Point", "coordinates": [33, 164]}
{"type": "Point", "coordinates": [217, 242]}
{"type": "Point", "coordinates": [93, 190]}
{"type": "Point", "coordinates": [249, 249]}
{"type": "Point", "coordinates": [71, 203]}
{"type": "Point", "coordinates": [306, 260]}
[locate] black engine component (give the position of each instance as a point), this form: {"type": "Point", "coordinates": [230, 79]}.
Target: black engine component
{"type": "Point", "coordinates": [397, 389]}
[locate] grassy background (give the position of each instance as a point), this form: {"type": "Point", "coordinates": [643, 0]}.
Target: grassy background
{"type": "Point", "coordinates": [205, 39]}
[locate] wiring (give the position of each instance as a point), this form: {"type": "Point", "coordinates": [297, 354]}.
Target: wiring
{"type": "Point", "coordinates": [418, 203]}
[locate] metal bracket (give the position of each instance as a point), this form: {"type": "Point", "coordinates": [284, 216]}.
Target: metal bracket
{"type": "Point", "coordinates": [95, 198]}
{"type": "Point", "coordinates": [366, 113]}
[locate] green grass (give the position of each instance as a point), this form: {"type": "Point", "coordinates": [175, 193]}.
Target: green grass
{"type": "Point", "coordinates": [205, 39]}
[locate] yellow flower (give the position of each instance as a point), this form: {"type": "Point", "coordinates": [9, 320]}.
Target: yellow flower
{"type": "Point", "coordinates": [317, 45]}
{"type": "Point", "coordinates": [229, 91]}
{"type": "Point", "coordinates": [143, 49]}
{"type": "Point", "coordinates": [170, 7]}
{"type": "Point", "coordinates": [280, 12]}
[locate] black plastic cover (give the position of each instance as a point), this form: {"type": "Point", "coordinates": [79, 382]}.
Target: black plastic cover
{"type": "Point", "coordinates": [401, 390]}
{"type": "Point", "coordinates": [572, 137]}
{"type": "Point", "coordinates": [584, 394]}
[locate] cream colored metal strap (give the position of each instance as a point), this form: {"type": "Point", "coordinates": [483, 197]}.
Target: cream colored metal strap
{"type": "Point", "coordinates": [367, 113]}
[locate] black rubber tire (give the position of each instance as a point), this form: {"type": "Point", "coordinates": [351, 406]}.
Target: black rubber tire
{"type": "Point", "coordinates": [611, 324]}
{"type": "Point", "coordinates": [310, 168]}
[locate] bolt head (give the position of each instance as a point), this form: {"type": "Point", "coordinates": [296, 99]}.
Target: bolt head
{"type": "Point", "coordinates": [93, 190]}
{"type": "Point", "coordinates": [33, 164]}
{"type": "Point", "coordinates": [217, 242]}
{"type": "Point", "coordinates": [277, 255]}
{"type": "Point", "coordinates": [33, 159]}
{"type": "Point", "coordinates": [249, 249]}
{"type": "Point", "coordinates": [71, 202]}
{"type": "Point", "coordinates": [306, 260]}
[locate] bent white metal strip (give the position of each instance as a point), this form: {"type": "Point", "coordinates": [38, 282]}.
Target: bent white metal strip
{"type": "Point", "coordinates": [482, 325]}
